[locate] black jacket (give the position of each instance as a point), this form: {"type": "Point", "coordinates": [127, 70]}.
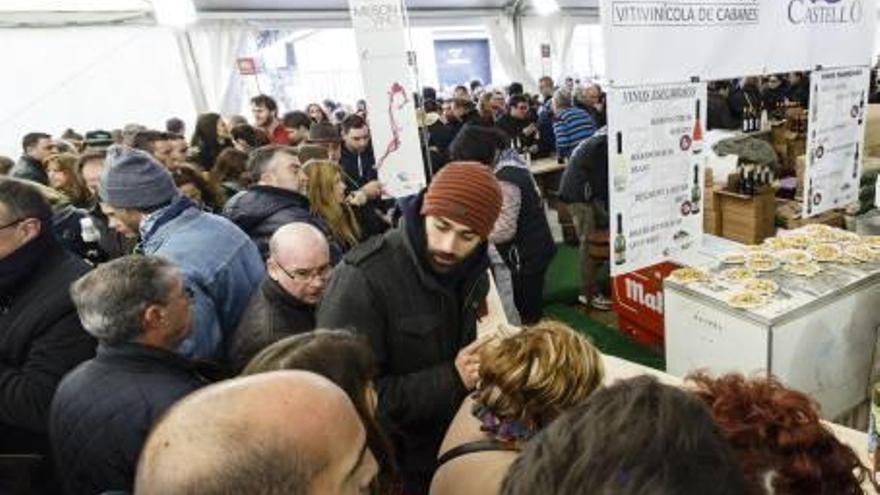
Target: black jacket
{"type": "Point", "coordinates": [513, 129]}
{"type": "Point", "coordinates": [105, 408]}
{"type": "Point", "coordinates": [416, 322]}
{"type": "Point", "coordinates": [261, 210]}
{"type": "Point", "coordinates": [585, 177]}
{"type": "Point", "coordinates": [41, 339]}
{"type": "Point", "coordinates": [359, 168]}
{"type": "Point", "coordinates": [29, 169]}
{"type": "Point", "coordinates": [271, 315]}
{"type": "Point", "coordinates": [532, 248]}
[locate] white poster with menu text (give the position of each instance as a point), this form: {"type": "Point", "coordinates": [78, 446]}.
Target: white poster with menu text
{"type": "Point", "coordinates": [661, 41]}
{"type": "Point", "coordinates": [835, 138]}
{"type": "Point", "coordinates": [656, 166]}
{"type": "Point", "coordinates": [387, 71]}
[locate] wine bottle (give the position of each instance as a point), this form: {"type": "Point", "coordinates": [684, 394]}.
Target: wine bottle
{"type": "Point", "coordinates": [696, 195]}
{"type": "Point", "coordinates": [765, 120]}
{"type": "Point", "coordinates": [697, 135]}
{"type": "Point", "coordinates": [745, 126]}
{"type": "Point", "coordinates": [862, 109]}
{"type": "Point", "coordinates": [621, 167]}
{"type": "Point", "coordinates": [856, 162]}
{"type": "Point", "coordinates": [750, 185]}
{"type": "Point", "coordinates": [810, 198]}
{"type": "Point", "coordinates": [815, 107]}
{"type": "Point", "coordinates": [741, 182]}
{"type": "Point", "coordinates": [619, 242]}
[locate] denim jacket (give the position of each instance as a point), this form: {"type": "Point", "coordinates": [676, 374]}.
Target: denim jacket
{"type": "Point", "coordinates": [219, 264]}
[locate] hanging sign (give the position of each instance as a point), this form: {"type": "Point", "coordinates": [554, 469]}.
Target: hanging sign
{"type": "Point", "coordinates": [246, 66]}
{"type": "Point", "coordinates": [387, 72]}
{"type": "Point", "coordinates": [656, 165]}
{"type": "Point", "coordinates": [656, 41]}
{"type": "Point", "coordinates": [835, 139]}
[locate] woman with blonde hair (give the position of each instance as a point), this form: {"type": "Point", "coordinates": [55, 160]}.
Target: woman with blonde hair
{"type": "Point", "coordinates": [350, 222]}
{"type": "Point", "coordinates": [63, 177]}
{"type": "Point", "coordinates": [526, 381]}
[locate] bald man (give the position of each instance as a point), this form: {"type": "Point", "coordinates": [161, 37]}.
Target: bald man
{"type": "Point", "coordinates": [288, 432]}
{"type": "Point", "coordinates": [296, 275]}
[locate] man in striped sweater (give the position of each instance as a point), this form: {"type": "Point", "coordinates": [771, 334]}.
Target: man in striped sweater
{"type": "Point", "coordinates": [572, 124]}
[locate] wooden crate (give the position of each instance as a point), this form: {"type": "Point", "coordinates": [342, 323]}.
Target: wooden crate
{"type": "Point", "coordinates": [789, 214]}
{"type": "Point", "coordinates": [747, 219]}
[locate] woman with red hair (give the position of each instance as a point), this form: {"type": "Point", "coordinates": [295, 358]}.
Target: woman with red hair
{"type": "Point", "coordinates": [781, 445]}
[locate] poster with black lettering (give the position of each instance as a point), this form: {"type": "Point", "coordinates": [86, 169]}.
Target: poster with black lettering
{"type": "Point", "coordinates": [663, 41]}
{"type": "Point", "coordinates": [656, 165]}
{"type": "Point", "coordinates": [835, 138]}
{"type": "Point", "coordinates": [389, 83]}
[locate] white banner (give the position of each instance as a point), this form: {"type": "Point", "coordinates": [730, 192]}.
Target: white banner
{"type": "Point", "coordinates": [386, 68]}
{"type": "Point", "coordinates": [661, 41]}
{"type": "Point", "coordinates": [656, 166]}
{"type": "Point", "coordinates": [835, 139]}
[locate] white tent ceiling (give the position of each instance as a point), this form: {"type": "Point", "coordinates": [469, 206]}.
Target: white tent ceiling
{"type": "Point", "coordinates": [34, 13]}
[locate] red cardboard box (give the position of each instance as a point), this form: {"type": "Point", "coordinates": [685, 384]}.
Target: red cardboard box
{"type": "Point", "coordinates": [638, 302]}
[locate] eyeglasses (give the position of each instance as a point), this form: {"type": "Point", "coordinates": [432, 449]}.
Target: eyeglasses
{"type": "Point", "coordinates": [307, 275]}
{"type": "Point", "coordinates": [13, 223]}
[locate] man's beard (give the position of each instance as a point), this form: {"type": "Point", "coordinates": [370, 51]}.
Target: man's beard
{"type": "Point", "coordinates": [442, 262]}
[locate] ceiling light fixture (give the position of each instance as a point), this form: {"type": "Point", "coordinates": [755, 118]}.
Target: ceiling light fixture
{"type": "Point", "coordinates": [174, 13]}
{"type": "Point", "coordinates": [545, 7]}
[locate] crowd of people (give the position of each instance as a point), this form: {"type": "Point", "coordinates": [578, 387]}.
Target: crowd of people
{"type": "Point", "coordinates": [246, 312]}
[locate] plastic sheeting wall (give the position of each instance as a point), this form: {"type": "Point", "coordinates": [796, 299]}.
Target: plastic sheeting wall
{"type": "Point", "coordinates": [89, 78]}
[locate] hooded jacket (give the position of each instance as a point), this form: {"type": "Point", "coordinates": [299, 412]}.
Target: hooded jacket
{"type": "Point", "coordinates": [217, 261]}
{"type": "Point", "coordinates": [261, 210]}
{"type": "Point", "coordinates": [416, 322]}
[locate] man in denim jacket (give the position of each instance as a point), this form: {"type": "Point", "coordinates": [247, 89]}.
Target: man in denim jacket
{"type": "Point", "coordinates": [219, 263]}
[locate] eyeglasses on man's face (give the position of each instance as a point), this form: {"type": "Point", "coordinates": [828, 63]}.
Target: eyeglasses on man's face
{"type": "Point", "coordinates": [12, 223]}
{"type": "Point", "coordinates": [307, 274]}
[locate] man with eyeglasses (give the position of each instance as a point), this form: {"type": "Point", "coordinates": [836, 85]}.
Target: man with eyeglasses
{"type": "Point", "coordinates": [277, 198]}
{"type": "Point", "coordinates": [519, 128]}
{"type": "Point", "coordinates": [41, 337]}
{"type": "Point", "coordinates": [296, 276]}
{"type": "Point", "coordinates": [138, 309]}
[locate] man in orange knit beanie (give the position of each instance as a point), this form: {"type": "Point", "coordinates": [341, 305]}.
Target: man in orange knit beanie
{"type": "Point", "coordinates": [415, 293]}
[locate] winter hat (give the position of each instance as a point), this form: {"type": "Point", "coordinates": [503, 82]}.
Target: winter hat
{"type": "Point", "coordinates": [466, 193]}
{"type": "Point", "coordinates": [133, 179]}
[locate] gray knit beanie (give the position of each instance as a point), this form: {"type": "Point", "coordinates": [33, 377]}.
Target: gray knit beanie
{"type": "Point", "coordinates": [134, 179]}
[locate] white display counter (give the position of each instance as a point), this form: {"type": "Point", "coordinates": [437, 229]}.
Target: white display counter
{"type": "Point", "coordinates": [818, 335]}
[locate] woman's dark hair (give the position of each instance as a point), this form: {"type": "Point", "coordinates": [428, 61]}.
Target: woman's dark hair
{"type": "Point", "coordinates": [253, 137]}
{"type": "Point", "coordinates": [231, 165]}
{"type": "Point", "coordinates": [210, 194]}
{"type": "Point", "coordinates": [323, 112]}
{"type": "Point", "coordinates": [778, 437]}
{"type": "Point", "coordinates": [637, 436]}
{"type": "Point", "coordinates": [346, 359]}
{"type": "Point", "coordinates": [205, 138]}
{"type": "Point", "coordinates": [476, 143]}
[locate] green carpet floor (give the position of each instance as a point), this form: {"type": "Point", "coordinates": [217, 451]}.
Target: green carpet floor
{"type": "Point", "coordinates": [562, 286]}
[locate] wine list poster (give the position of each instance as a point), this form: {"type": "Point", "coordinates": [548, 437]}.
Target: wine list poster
{"type": "Point", "coordinates": [835, 138]}
{"type": "Point", "coordinates": [656, 165]}
{"type": "Point", "coordinates": [387, 71]}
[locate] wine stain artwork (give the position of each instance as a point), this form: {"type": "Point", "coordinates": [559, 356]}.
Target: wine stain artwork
{"type": "Point", "coordinates": [655, 144]}
{"type": "Point", "coordinates": [388, 78]}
